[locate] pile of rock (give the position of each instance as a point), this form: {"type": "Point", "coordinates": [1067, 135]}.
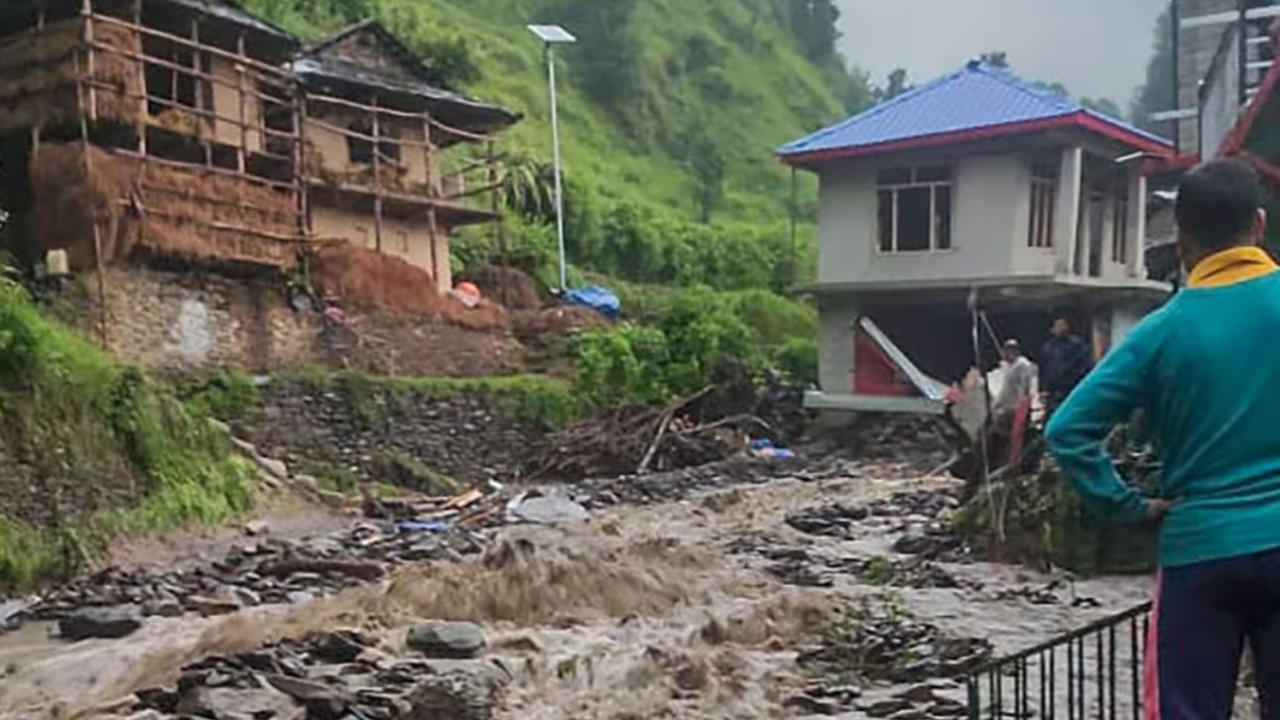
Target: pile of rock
{"type": "Point", "coordinates": [838, 519]}
{"type": "Point", "coordinates": [887, 645]}
{"type": "Point", "coordinates": [337, 675]}
{"type": "Point", "coordinates": [266, 572]}
{"type": "Point", "coordinates": [916, 441]}
{"type": "Point", "coordinates": [351, 423]}
{"type": "Point", "coordinates": [738, 470]}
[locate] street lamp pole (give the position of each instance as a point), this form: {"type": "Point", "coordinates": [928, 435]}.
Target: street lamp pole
{"type": "Point", "coordinates": [555, 150]}
{"type": "Point", "coordinates": [551, 35]}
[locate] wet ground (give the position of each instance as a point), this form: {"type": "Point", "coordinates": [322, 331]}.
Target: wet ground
{"type": "Point", "coordinates": [727, 603]}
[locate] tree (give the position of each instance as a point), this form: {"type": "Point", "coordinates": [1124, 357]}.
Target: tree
{"type": "Point", "coordinates": [859, 94]}
{"type": "Point", "coordinates": [996, 58]}
{"type": "Point", "coordinates": [813, 23]}
{"type": "Point", "coordinates": [1157, 93]}
{"type": "Point", "coordinates": [607, 56]}
{"type": "Point", "coordinates": [896, 85]}
{"type": "Point", "coordinates": [450, 62]}
{"type": "Point", "coordinates": [709, 169]}
{"type": "Point", "coordinates": [1104, 106]}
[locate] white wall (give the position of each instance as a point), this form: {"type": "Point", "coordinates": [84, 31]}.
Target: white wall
{"type": "Point", "coordinates": [990, 207]}
{"type": "Point", "coordinates": [991, 210]}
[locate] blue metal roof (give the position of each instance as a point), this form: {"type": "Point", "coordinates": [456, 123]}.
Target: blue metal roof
{"type": "Point", "coordinates": [976, 96]}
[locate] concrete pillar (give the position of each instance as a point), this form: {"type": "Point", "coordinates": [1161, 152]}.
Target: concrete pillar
{"type": "Point", "coordinates": [1137, 260]}
{"type": "Point", "coordinates": [836, 315]}
{"type": "Point", "coordinates": [1067, 213]}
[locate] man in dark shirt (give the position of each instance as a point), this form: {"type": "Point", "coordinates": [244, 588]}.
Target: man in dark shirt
{"type": "Point", "coordinates": [1064, 360]}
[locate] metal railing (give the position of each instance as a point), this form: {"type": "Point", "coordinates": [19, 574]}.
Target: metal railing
{"type": "Point", "coordinates": [1093, 672]}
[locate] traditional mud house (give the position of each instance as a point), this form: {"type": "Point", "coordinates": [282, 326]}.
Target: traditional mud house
{"type": "Point", "coordinates": [145, 136]}
{"type": "Point", "coordinates": [977, 185]}
{"type": "Point", "coordinates": [376, 126]}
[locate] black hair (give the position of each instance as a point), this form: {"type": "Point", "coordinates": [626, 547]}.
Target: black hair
{"type": "Point", "coordinates": [1217, 203]}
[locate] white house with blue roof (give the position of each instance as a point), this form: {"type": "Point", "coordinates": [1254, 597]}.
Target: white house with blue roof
{"type": "Point", "coordinates": [978, 182]}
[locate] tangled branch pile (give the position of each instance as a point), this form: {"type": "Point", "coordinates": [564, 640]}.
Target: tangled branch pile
{"type": "Point", "coordinates": [637, 440]}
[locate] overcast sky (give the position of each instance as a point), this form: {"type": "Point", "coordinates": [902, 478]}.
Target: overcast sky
{"type": "Point", "coordinates": [1094, 47]}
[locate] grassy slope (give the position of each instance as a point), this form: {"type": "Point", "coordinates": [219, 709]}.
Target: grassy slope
{"type": "Point", "coordinates": [776, 94]}
{"type": "Point", "coordinates": [111, 451]}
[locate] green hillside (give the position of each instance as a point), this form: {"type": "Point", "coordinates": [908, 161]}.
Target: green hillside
{"type": "Point", "coordinates": [671, 110]}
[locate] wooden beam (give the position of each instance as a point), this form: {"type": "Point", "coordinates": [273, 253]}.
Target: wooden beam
{"type": "Point", "coordinates": [301, 174]}
{"type": "Point", "coordinates": [144, 110]}
{"type": "Point", "coordinates": [464, 134]}
{"type": "Point", "coordinates": [377, 176]}
{"type": "Point", "coordinates": [87, 12]}
{"type": "Point", "coordinates": [244, 131]}
{"type": "Point", "coordinates": [187, 70]}
{"type": "Point", "coordinates": [186, 42]}
{"type": "Point", "coordinates": [93, 212]}
{"type": "Point", "coordinates": [792, 211]}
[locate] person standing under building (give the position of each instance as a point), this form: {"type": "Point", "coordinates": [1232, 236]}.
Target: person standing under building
{"type": "Point", "coordinates": [1019, 381]}
{"type": "Point", "coordinates": [1205, 370]}
{"type": "Point", "coordinates": [1064, 360]}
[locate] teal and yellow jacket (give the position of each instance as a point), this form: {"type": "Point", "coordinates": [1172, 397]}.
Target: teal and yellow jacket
{"type": "Point", "coordinates": [1206, 369]}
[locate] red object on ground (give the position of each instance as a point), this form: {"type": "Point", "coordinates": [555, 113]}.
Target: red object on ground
{"type": "Point", "coordinates": [466, 288]}
{"type": "Point", "coordinates": [873, 372]}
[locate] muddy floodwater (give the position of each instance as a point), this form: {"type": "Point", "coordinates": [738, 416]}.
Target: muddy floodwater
{"type": "Point", "coordinates": [707, 606]}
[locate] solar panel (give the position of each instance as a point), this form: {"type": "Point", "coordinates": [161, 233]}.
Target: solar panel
{"type": "Point", "coordinates": [552, 34]}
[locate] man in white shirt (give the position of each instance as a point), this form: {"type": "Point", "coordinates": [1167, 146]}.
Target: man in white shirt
{"type": "Point", "coordinates": [1020, 379]}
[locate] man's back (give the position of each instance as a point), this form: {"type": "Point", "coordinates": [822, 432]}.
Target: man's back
{"type": "Point", "coordinates": [1064, 359]}
{"type": "Point", "coordinates": [1205, 369]}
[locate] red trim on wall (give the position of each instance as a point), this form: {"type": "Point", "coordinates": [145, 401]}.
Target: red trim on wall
{"type": "Point", "coordinates": [1079, 119]}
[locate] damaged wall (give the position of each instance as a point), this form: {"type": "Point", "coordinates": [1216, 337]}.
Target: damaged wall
{"type": "Point", "coordinates": [329, 157]}
{"type": "Point", "coordinates": [38, 76]}
{"type": "Point", "coordinates": [146, 207]}
{"type": "Point", "coordinates": [409, 239]}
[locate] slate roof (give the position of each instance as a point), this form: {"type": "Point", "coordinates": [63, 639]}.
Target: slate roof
{"type": "Point", "coordinates": [313, 65]}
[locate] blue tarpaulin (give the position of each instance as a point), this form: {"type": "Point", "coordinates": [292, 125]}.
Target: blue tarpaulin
{"type": "Point", "coordinates": [601, 299]}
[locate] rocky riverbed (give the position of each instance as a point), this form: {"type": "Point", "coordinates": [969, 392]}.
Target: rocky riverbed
{"type": "Point", "coordinates": [721, 592]}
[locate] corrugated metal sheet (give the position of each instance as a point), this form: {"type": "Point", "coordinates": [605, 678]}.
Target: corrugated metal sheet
{"type": "Point", "coordinates": [977, 96]}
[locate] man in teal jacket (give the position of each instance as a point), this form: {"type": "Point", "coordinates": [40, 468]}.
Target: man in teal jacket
{"type": "Point", "coordinates": [1206, 371]}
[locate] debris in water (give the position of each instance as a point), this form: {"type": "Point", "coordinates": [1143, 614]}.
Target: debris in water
{"type": "Point", "coordinates": [886, 644]}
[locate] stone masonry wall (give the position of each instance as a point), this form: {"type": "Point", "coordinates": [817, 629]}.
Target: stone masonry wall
{"type": "Point", "coordinates": [186, 321]}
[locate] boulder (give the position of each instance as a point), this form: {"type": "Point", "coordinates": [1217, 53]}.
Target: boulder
{"type": "Point", "coordinates": [319, 699]}
{"type": "Point", "coordinates": [229, 702]}
{"type": "Point", "coordinates": [447, 639]}
{"type": "Point", "coordinates": [548, 510]}
{"type": "Point", "coordinates": [104, 622]}
{"type": "Point", "coordinates": [457, 695]}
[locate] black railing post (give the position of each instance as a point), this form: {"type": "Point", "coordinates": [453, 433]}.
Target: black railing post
{"type": "Point", "coordinates": [1099, 638]}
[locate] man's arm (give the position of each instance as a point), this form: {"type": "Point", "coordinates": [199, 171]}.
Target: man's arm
{"type": "Point", "coordinates": [1103, 400]}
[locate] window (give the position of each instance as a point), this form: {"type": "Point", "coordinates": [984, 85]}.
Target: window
{"type": "Point", "coordinates": [1120, 226]}
{"type": "Point", "coordinates": [360, 148]}
{"type": "Point", "coordinates": [914, 208]}
{"type": "Point", "coordinates": [1044, 200]}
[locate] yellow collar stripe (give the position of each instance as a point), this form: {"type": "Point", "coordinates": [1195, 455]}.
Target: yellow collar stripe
{"type": "Point", "coordinates": [1231, 266]}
